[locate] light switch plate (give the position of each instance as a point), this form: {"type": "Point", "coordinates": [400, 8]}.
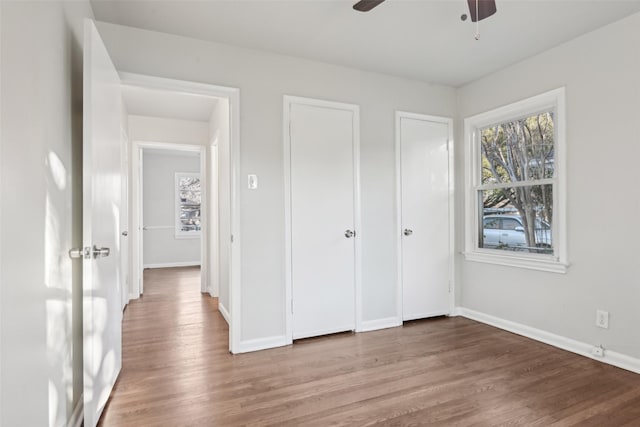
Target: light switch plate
{"type": "Point", "coordinates": [252, 181]}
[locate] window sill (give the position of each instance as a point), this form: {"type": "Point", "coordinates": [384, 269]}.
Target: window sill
{"type": "Point", "coordinates": [547, 264]}
{"type": "Point", "coordinates": [187, 236]}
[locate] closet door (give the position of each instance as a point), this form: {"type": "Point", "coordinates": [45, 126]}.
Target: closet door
{"type": "Point", "coordinates": [323, 235]}
{"type": "Point", "coordinates": [424, 176]}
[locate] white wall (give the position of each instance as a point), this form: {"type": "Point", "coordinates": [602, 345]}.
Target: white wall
{"type": "Point", "coordinates": [174, 131]}
{"type": "Point", "coordinates": [600, 71]}
{"type": "Point", "coordinates": [263, 79]}
{"type": "Point", "coordinates": [161, 247]}
{"type": "Point", "coordinates": [41, 205]}
{"type": "Point", "coordinates": [220, 134]}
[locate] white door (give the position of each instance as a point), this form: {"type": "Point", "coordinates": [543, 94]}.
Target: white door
{"type": "Point", "coordinates": [323, 200]}
{"type": "Point", "coordinates": [424, 176]}
{"type": "Point", "coordinates": [102, 309]}
{"type": "Point", "coordinates": [124, 218]}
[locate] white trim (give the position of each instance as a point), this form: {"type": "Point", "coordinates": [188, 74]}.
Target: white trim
{"type": "Point", "coordinates": [398, 164]}
{"type": "Point", "coordinates": [374, 325]}
{"type": "Point", "coordinates": [583, 349]}
{"type": "Point", "coordinates": [357, 213]}
{"type": "Point", "coordinates": [174, 264]}
{"type": "Point", "coordinates": [214, 222]}
{"type": "Point", "coordinates": [558, 262]}
{"type": "Point", "coordinates": [262, 344]}
{"type": "Point", "coordinates": [233, 96]}
{"type": "Point", "coordinates": [289, 100]}
{"type": "Point", "coordinates": [527, 261]}
{"type": "Point", "coordinates": [225, 313]}
{"type": "Point", "coordinates": [77, 416]}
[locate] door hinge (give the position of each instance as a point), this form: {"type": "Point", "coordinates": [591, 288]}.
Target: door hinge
{"type": "Point", "coordinates": [232, 238]}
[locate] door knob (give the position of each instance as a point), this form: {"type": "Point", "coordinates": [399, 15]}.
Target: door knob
{"type": "Point", "coordinates": [100, 252]}
{"type": "Point", "coordinates": [349, 234]}
{"type": "Point", "coordinates": [125, 233]}
{"type": "Point", "coordinates": [407, 232]}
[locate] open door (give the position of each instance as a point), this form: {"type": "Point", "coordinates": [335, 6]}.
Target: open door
{"type": "Point", "coordinates": [102, 296]}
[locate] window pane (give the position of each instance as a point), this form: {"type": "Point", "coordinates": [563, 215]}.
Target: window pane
{"type": "Point", "coordinates": [189, 218]}
{"type": "Point", "coordinates": [189, 188]}
{"type": "Point", "coordinates": [189, 199]}
{"type": "Point", "coordinates": [520, 221]}
{"type": "Point", "coordinates": [518, 150]}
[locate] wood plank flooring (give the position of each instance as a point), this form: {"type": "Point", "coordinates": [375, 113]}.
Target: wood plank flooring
{"type": "Point", "coordinates": [177, 371]}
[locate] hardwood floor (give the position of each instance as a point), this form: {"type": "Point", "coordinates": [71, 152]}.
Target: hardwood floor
{"type": "Point", "coordinates": [447, 371]}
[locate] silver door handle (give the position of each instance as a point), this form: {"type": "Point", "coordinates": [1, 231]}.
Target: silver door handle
{"type": "Point", "coordinates": [125, 233]}
{"type": "Point", "coordinates": [349, 234]}
{"type": "Point", "coordinates": [100, 252]}
{"type": "Point", "coordinates": [407, 232]}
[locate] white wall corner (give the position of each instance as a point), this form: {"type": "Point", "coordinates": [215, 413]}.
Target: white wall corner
{"type": "Point", "coordinates": [225, 313]}
{"type": "Point", "coordinates": [374, 325]}
{"type": "Point", "coordinates": [457, 311]}
{"type": "Point", "coordinates": [77, 416]}
{"type": "Point", "coordinates": [263, 343]}
{"type": "Point", "coordinates": [583, 349]}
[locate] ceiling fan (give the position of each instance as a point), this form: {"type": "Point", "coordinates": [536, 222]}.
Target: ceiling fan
{"type": "Point", "coordinates": [478, 9]}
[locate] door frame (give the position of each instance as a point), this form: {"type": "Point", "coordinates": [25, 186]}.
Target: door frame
{"type": "Point", "coordinates": [125, 166]}
{"type": "Point", "coordinates": [233, 96]}
{"type": "Point", "coordinates": [137, 210]}
{"type": "Point", "coordinates": [288, 101]}
{"type": "Point", "coordinates": [450, 155]}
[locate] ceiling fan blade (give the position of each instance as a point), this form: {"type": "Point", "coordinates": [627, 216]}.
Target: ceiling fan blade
{"type": "Point", "coordinates": [366, 5]}
{"type": "Point", "coordinates": [486, 8]}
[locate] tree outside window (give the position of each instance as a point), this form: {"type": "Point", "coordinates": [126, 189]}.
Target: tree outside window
{"type": "Point", "coordinates": [517, 180]}
{"type": "Point", "coordinates": [188, 200]}
{"type": "Point", "coordinates": [516, 184]}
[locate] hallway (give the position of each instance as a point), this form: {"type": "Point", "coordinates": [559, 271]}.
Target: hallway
{"type": "Point", "coordinates": [172, 339]}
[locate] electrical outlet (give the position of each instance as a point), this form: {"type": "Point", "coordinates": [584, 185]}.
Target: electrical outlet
{"type": "Point", "coordinates": [597, 351]}
{"type": "Point", "coordinates": [602, 319]}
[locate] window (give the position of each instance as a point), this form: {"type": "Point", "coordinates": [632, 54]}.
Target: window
{"type": "Point", "coordinates": [515, 184]}
{"type": "Point", "coordinates": [188, 200]}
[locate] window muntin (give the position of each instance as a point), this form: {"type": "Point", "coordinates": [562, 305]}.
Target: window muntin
{"type": "Point", "coordinates": [188, 204]}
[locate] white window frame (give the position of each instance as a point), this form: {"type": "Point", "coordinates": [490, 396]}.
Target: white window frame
{"type": "Point", "coordinates": [179, 234]}
{"type": "Point", "coordinates": [556, 263]}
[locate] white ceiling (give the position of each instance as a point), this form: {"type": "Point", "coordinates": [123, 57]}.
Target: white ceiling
{"type": "Point", "coordinates": [169, 105]}
{"type": "Point", "coordinates": [419, 39]}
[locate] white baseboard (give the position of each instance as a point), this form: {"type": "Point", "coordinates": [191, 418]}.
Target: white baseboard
{"type": "Point", "coordinates": [263, 343]}
{"type": "Point", "coordinates": [374, 325]}
{"type": "Point", "coordinates": [77, 416]}
{"type": "Point", "coordinates": [174, 264]}
{"type": "Point", "coordinates": [583, 349]}
{"type": "Point", "coordinates": [225, 313]}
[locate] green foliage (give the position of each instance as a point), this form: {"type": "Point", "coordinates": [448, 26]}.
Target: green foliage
{"type": "Point", "coordinates": [519, 151]}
